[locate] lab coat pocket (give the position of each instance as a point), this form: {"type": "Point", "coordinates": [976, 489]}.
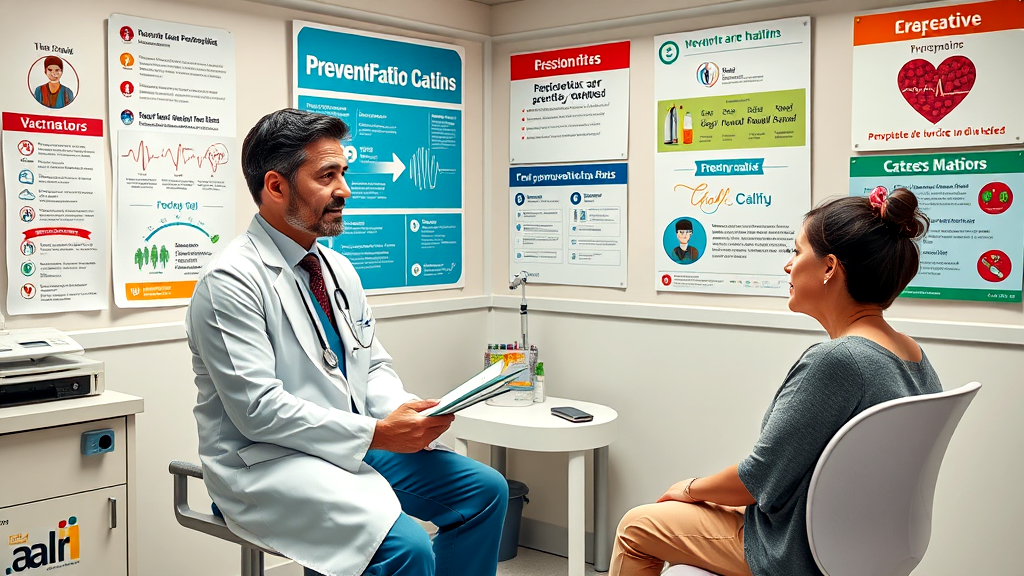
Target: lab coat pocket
{"type": "Point", "coordinates": [254, 454]}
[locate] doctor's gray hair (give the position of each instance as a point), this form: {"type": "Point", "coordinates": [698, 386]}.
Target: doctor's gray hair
{"type": "Point", "coordinates": [277, 143]}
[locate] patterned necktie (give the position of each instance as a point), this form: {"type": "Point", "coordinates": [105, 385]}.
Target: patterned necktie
{"type": "Point", "coordinates": [311, 264]}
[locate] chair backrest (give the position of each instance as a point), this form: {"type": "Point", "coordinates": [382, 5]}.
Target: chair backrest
{"type": "Point", "coordinates": [869, 505]}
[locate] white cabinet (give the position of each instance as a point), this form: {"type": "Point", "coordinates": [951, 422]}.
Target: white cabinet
{"type": "Point", "coordinates": [80, 535]}
{"type": "Point", "coordinates": [63, 513]}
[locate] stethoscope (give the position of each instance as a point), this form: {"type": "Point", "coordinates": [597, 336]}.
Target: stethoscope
{"type": "Point", "coordinates": [330, 359]}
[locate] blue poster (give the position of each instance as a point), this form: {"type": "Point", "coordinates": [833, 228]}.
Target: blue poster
{"type": "Point", "coordinates": [400, 156]}
{"type": "Point", "coordinates": [567, 223]}
{"type": "Point", "coordinates": [414, 250]}
{"type": "Point", "coordinates": [403, 102]}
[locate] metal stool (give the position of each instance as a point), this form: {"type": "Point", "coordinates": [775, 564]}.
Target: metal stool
{"type": "Point", "coordinates": [252, 555]}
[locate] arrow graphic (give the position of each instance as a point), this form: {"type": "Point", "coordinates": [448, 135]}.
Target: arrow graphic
{"type": "Point", "coordinates": [395, 167]}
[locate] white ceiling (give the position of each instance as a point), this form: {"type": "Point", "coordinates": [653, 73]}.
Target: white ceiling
{"type": "Point", "coordinates": [493, 2]}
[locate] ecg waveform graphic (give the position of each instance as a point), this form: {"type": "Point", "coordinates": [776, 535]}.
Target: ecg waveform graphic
{"type": "Point", "coordinates": [937, 90]}
{"type": "Point", "coordinates": [215, 156]}
{"type": "Point", "coordinates": [423, 169]}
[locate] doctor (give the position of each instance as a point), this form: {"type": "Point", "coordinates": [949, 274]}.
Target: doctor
{"type": "Point", "coordinates": [309, 442]}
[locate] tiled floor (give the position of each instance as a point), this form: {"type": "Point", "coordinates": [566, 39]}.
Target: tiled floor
{"type": "Point", "coordinates": [533, 563]}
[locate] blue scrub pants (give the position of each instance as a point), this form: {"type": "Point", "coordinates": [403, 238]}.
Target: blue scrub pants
{"type": "Point", "coordinates": [465, 499]}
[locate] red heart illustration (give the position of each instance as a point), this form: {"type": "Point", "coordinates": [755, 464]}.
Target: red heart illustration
{"type": "Point", "coordinates": [934, 92]}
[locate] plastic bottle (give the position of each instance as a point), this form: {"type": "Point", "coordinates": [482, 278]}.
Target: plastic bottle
{"type": "Point", "coordinates": [538, 383]}
{"type": "Point", "coordinates": [687, 128]}
{"type": "Point", "coordinates": [670, 128]}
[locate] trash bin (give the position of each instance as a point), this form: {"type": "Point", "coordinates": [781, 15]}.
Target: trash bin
{"type": "Point", "coordinates": [509, 546]}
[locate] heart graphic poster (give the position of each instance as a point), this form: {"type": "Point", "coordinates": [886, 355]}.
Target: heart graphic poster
{"type": "Point", "coordinates": [938, 77]}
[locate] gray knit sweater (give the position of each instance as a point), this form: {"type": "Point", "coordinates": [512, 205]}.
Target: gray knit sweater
{"type": "Point", "coordinates": [830, 384]}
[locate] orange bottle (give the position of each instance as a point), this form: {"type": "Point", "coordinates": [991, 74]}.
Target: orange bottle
{"type": "Point", "coordinates": [687, 128]}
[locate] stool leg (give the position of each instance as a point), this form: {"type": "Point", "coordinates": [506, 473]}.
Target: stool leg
{"type": "Point", "coordinates": [252, 562]}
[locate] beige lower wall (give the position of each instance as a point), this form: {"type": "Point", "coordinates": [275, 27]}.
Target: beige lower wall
{"type": "Point", "coordinates": [691, 397]}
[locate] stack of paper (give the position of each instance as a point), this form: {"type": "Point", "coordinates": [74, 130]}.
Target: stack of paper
{"type": "Point", "coordinates": [484, 385]}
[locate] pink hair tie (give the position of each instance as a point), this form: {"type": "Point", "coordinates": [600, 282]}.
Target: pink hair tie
{"type": "Point", "coordinates": [877, 199]}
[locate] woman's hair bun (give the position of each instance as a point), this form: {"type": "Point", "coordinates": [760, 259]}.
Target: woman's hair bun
{"type": "Point", "coordinates": [902, 216]}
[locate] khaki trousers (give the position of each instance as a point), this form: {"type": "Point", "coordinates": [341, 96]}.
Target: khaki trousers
{"type": "Point", "coordinates": [705, 535]}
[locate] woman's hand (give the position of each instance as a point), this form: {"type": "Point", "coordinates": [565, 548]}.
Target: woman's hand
{"type": "Point", "coordinates": [723, 488]}
{"type": "Point", "coordinates": [677, 492]}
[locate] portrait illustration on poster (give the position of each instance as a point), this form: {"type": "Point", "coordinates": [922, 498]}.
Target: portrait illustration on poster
{"type": "Point", "coordinates": [53, 82]}
{"type": "Point", "coordinates": [685, 240]}
{"type": "Point", "coordinates": [937, 77]}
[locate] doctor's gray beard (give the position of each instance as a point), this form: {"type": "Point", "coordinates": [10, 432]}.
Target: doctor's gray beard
{"type": "Point", "coordinates": [303, 216]}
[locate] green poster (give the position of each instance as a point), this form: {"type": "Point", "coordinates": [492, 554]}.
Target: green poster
{"type": "Point", "coordinates": [757, 120]}
{"type": "Point", "coordinates": [974, 248]}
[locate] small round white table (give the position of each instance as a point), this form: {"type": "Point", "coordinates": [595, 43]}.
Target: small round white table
{"type": "Point", "coordinates": [534, 428]}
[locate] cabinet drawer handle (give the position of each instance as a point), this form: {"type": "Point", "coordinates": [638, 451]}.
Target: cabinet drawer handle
{"type": "Point", "coordinates": [113, 512]}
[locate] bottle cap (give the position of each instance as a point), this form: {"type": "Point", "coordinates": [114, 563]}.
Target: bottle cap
{"type": "Point", "coordinates": [540, 369]}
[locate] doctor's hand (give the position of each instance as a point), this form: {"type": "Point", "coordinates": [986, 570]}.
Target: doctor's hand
{"type": "Point", "coordinates": [405, 430]}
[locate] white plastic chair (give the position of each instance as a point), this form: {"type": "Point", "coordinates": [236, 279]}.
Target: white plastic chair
{"type": "Point", "coordinates": [869, 504]}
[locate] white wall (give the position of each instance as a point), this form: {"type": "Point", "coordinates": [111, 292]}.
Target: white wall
{"type": "Point", "coordinates": [262, 51]}
{"type": "Point", "coordinates": [682, 413]}
{"type": "Point", "coordinates": [161, 371]}
{"type": "Point", "coordinates": [832, 58]}
{"type": "Point", "coordinates": [691, 375]}
{"type": "Point", "coordinates": [690, 399]}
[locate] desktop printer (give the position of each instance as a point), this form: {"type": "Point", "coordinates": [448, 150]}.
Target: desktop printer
{"type": "Point", "coordinates": [38, 365]}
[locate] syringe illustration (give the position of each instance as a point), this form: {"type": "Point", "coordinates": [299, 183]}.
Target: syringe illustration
{"type": "Point", "coordinates": [991, 267]}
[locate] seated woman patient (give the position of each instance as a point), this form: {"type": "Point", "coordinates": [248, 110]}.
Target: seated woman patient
{"type": "Point", "coordinates": [853, 258]}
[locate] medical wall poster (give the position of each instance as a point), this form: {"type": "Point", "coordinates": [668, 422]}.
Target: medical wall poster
{"type": "Point", "coordinates": [570, 104]}
{"type": "Point", "coordinates": [568, 224]}
{"type": "Point", "coordinates": [733, 167]}
{"type": "Point", "coordinates": [56, 213]}
{"type": "Point", "coordinates": [172, 109]}
{"type": "Point", "coordinates": [170, 77]}
{"type": "Point", "coordinates": [54, 175]}
{"type": "Point", "coordinates": [974, 249]}
{"type": "Point", "coordinates": [402, 99]}
{"type": "Point", "coordinates": [938, 77]}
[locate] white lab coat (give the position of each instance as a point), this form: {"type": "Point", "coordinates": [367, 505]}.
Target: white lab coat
{"type": "Point", "coordinates": [282, 451]}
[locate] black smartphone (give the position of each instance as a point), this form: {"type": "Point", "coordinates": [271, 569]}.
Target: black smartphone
{"type": "Point", "coordinates": [572, 414]}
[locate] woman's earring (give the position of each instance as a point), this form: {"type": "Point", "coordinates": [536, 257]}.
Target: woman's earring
{"type": "Point", "coordinates": [826, 280]}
